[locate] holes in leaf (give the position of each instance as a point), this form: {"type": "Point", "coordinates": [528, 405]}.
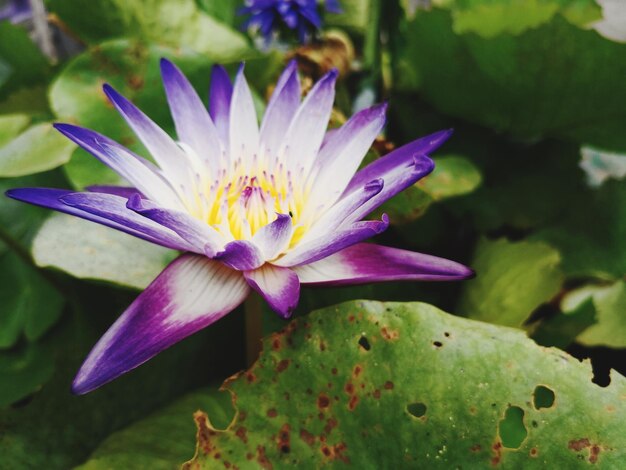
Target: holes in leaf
{"type": "Point", "coordinates": [416, 409]}
{"type": "Point", "coordinates": [364, 343]}
{"type": "Point", "coordinates": [437, 344]}
{"type": "Point", "coordinates": [511, 428]}
{"type": "Point", "coordinates": [543, 397]}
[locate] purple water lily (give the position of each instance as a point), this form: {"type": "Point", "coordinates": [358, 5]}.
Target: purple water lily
{"type": "Point", "coordinates": [270, 16]}
{"type": "Point", "coordinates": [264, 209]}
{"type": "Point", "coordinates": [15, 11]}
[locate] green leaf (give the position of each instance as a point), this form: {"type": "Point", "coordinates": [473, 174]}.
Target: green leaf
{"type": "Point", "coordinates": [88, 250]}
{"type": "Point", "coordinates": [23, 372]}
{"type": "Point", "coordinates": [610, 327]}
{"type": "Point", "coordinates": [11, 125]}
{"type": "Point", "coordinates": [39, 148]}
{"type": "Point", "coordinates": [452, 176]}
{"type": "Point", "coordinates": [489, 19]}
{"type": "Point", "coordinates": [594, 248]}
{"type": "Point", "coordinates": [406, 206]}
{"type": "Point", "coordinates": [516, 84]}
{"type": "Point", "coordinates": [562, 329]}
{"type": "Point", "coordinates": [58, 430]}
{"type": "Point", "coordinates": [355, 15]}
{"type": "Point", "coordinates": [30, 306]}
{"type": "Point", "coordinates": [176, 23]}
{"type": "Point", "coordinates": [513, 279]}
{"type": "Point", "coordinates": [162, 440]}
{"type": "Point", "coordinates": [222, 10]}
{"type": "Point", "coordinates": [394, 385]}
{"type": "Point", "coordinates": [132, 69]}
{"type": "Point", "coordinates": [27, 65]}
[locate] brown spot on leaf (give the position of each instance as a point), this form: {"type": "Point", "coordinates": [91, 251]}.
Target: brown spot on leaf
{"type": "Point", "coordinates": [476, 448]}
{"type": "Point", "coordinates": [497, 453]}
{"type": "Point", "coordinates": [272, 413]}
{"type": "Point", "coordinates": [322, 346]}
{"type": "Point", "coordinates": [283, 440]}
{"type": "Point", "coordinates": [323, 401]}
{"type": "Point", "coordinates": [357, 370]}
{"type": "Point", "coordinates": [335, 452]}
{"type": "Point", "coordinates": [262, 458]}
{"type": "Point", "coordinates": [388, 385]}
{"type": "Point", "coordinates": [376, 394]}
{"type": "Point", "coordinates": [251, 377]}
{"type": "Point", "coordinates": [388, 334]}
{"type": "Point", "coordinates": [282, 365]}
{"type": "Point", "coordinates": [135, 82]}
{"type": "Point", "coordinates": [533, 452]}
{"type": "Point", "coordinates": [334, 371]}
{"type": "Point", "coordinates": [578, 444]}
{"type": "Point", "coordinates": [242, 433]}
{"type": "Point", "coordinates": [276, 344]}
{"type": "Point", "coordinates": [593, 453]}
{"type": "Point", "coordinates": [307, 437]}
{"type": "Point", "coordinates": [204, 433]}
{"type": "Point", "coordinates": [331, 423]}
{"type": "Point", "coordinates": [349, 388]}
{"type": "Point", "coordinates": [354, 400]}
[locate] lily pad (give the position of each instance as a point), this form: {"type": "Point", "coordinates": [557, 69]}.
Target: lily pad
{"type": "Point", "coordinates": [23, 372]}
{"type": "Point", "coordinates": [177, 23]}
{"type": "Point", "coordinates": [554, 79]}
{"type": "Point", "coordinates": [162, 440]}
{"type": "Point", "coordinates": [39, 148]}
{"type": "Point", "coordinates": [514, 279]}
{"type": "Point", "coordinates": [394, 385]}
{"type": "Point", "coordinates": [132, 68]}
{"type": "Point", "coordinates": [11, 125]}
{"type": "Point", "coordinates": [90, 251]}
{"type": "Point", "coordinates": [453, 176]}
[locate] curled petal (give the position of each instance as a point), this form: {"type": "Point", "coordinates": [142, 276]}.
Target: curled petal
{"type": "Point", "coordinates": [190, 294]}
{"type": "Point", "coordinates": [274, 238]}
{"type": "Point", "coordinates": [333, 242]}
{"type": "Point", "coordinates": [280, 287]}
{"type": "Point", "coordinates": [241, 255]}
{"type": "Point", "coordinates": [365, 262]}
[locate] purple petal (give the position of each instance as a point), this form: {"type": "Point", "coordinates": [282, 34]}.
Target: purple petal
{"type": "Point", "coordinates": [333, 242]}
{"type": "Point", "coordinates": [399, 157]}
{"type": "Point", "coordinates": [161, 146]}
{"type": "Point", "coordinates": [139, 172]}
{"type": "Point", "coordinates": [336, 216]}
{"type": "Point", "coordinates": [274, 238]}
{"type": "Point", "coordinates": [306, 132]}
{"type": "Point", "coordinates": [396, 180]}
{"type": "Point", "coordinates": [281, 109]}
{"type": "Point", "coordinates": [134, 224]}
{"type": "Point", "coordinates": [200, 235]}
{"type": "Point", "coordinates": [121, 191]}
{"type": "Point", "coordinates": [220, 96]}
{"type": "Point", "coordinates": [190, 294]}
{"type": "Point", "coordinates": [340, 157]}
{"type": "Point", "coordinates": [365, 262]}
{"type": "Point", "coordinates": [241, 255]}
{"type": "Point", "coordinates": [193, 123]}
{"type": "Point", "coordinates": [333, 6]}
{"type": "Point", "coordinates": [280, 287]}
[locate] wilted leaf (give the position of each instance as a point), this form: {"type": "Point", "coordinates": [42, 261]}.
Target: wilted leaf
{"type": "Point", "coordinates": [91, 251]}
{"type": "Point", "coordinates": [39, 148]}
{"type": "Point", "coordinates": [176, 23]}
{"type": "Point", "coordinates": [405, 385]}
{"type": "Point", "coordinates": [162, 440]}
{"type": "Point", "coordinates": [513, 279]}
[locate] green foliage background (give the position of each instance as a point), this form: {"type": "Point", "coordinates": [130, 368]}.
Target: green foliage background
{"type": "Point", "coordinates": [494, 382]}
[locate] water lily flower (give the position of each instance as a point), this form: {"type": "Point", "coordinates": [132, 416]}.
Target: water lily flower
{"type": "Point", "coordinates": [252, 208]}
{"type": "Point", "coordinates": [16, 11]}
{"type": "Point", "coordinates": [270, 16]}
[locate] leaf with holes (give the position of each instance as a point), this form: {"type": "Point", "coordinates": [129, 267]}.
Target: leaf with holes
{"type": "Point", "coordinates": [409, 386]}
